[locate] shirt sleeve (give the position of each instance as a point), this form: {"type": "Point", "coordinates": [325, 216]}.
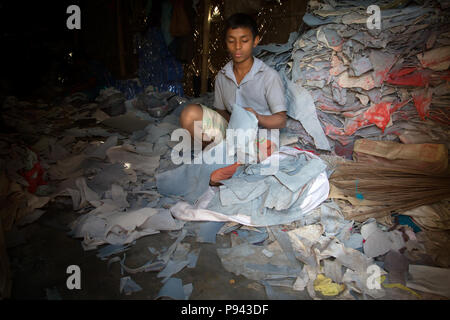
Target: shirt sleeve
{"type": "Point", "coordinates": [218, 96]}
{"type": "Point", "coordinates": [275, 93]}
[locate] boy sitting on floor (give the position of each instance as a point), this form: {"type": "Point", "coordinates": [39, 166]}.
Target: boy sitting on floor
{"type": "Point", "coordinates": [245, 81]}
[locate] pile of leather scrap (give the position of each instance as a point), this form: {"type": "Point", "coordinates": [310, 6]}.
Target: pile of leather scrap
{"type": "Point", "coordinates": [19, 183]}
{"type": "Point", "coordinates": [16, 206]}
{"type": "Point", "coordinates": [21, 198]}
{"type": "Point", "coordinates": [97, 158]}
{"type": "Point", "coordinates": [387, 84]}
{"type": "Point", "coordinates": [373, 82]}
{"type": "Point", "coordinates": [326, 255]}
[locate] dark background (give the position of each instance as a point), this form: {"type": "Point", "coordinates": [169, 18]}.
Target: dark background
{"type": "Point", "coordinates": [35, 43]}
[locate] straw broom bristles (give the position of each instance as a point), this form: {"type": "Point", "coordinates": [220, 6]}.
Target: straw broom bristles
{"type": "Point", "coordinates": [399, 189]}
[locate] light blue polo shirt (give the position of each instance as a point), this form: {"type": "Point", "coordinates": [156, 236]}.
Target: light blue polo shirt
{"type": "Point", "coordinates": [261, 89]}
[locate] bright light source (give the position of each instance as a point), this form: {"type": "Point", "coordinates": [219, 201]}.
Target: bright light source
{"type": "Point", "coordinates": [127, 165]}
{"type": "Point", "coordinates": [216, 12]}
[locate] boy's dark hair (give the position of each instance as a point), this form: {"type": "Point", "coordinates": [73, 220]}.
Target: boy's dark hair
{"type": "Point", "coordinates": [241, 20]}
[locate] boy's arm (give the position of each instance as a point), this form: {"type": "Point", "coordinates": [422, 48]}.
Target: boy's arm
{"type": "Point", "coordinates": [224, 113]}
{"type": "Point", "coordinates": [219, 104]}
{"type": "Point", "coordinates": [274, 121]}
{"type": "Point", "coordinates": [274, 92]}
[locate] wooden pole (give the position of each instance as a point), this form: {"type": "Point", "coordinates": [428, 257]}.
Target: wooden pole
{"type": "Point", "coordinates": [123, 71]}
{"type": "Point", "coordinates": [205, 53]}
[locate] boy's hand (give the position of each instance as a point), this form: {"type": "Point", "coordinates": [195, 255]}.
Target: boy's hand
{"type": "Point", "coordinates": [274, 121]}
{"type": "Point", "coordinates": [253, 111]}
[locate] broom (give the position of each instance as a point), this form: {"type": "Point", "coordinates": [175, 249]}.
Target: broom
{"type": "Point", "coordinates": [398, 189]}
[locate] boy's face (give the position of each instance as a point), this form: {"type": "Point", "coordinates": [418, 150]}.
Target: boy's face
{"type": "Point", "coordinates": [240, 43]}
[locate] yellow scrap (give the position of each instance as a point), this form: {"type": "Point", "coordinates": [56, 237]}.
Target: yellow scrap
{"type": "Point", "coordinates": [398, 285]}
{"type": "Point", "coordinates": [327, 287]}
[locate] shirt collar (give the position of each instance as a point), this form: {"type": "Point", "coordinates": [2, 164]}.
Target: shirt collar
{"type": "Point", "coordinates": [257, 66]}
